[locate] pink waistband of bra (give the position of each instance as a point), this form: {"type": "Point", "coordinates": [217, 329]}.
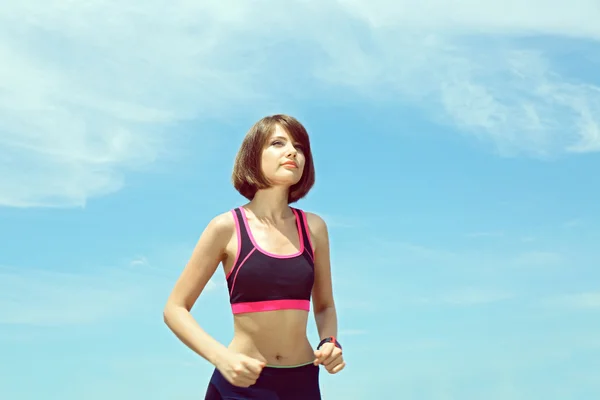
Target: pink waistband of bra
{"type": "Point", "coordinates": [270, 305]}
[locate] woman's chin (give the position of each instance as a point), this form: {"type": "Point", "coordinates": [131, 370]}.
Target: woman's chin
{"type": "Point", "coordinates": [284, 183]}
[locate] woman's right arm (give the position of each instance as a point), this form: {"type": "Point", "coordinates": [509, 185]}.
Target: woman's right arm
{"type": "Point", "coordinates": [239, 369]}
{"type": "Point", "coordinates": [206, 256]}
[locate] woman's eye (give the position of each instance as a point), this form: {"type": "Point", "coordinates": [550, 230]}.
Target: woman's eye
{"type": "Point", "coordinates": [279, 143]}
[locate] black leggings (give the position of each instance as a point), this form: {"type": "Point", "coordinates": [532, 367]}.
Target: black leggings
{"type": "Point", "coordinates": [274, 383]}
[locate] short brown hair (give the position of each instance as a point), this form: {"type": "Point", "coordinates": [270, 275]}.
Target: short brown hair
{"type": "Point", "coordinates": [247, 174]}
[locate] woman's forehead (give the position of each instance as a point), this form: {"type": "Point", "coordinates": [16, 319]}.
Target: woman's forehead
{"type": "Point", "coordinates": [281, 132]}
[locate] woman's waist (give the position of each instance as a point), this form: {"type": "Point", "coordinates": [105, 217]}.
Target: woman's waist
{"type": "Point", "coordinates": [276, 353]}
{"type": "Point", "coordinates": [277, 338]}
{"type": "Point", "coordinates": [272, 324]}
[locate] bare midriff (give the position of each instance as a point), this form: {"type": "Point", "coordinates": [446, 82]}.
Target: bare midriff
{"type": "Point", "coordinates": [277, 338]}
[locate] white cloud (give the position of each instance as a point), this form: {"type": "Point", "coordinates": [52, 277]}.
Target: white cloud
{"type": "Point", "coordinates": [537, 259]}
{"type": "Point", "coordinates": [91, 93]}
{"type": "Point", "coordinates": [584, 300]}
{"type": "Point", "coordinates": [501, 93]}
{"type": "Point", "coordinates": [528, 239]}
{"type": "Point", "coordinates": [484, 234]}
{"type": "Point", "coordinates": [500, 17]}
{"type": "Point", "coordinates": [39, 297]}
{"type": "Point", "coordinates": [574, 223]}
{"type": "Point", "coordinates": [461, 61]}
{"type": "Point", "coordinates": [468, 296]}
{"type": "Point", "coordinates": [140, 261]}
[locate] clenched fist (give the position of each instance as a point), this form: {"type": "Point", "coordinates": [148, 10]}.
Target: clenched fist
{"type": "Point", "coordinates": [239, 369]}
{"type": "Point", "coordinates": [330, 357]}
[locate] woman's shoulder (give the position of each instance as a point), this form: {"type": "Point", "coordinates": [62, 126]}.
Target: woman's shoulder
{"type": "Point", "coordinates": [316, 223]}
{"type": "Point", "coordinates": [222, 223]}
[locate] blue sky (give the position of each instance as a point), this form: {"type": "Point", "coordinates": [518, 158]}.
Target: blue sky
{"type": "Point", "coordinates": [456, 154]}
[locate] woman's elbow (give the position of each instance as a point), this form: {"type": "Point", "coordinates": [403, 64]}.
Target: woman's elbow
{"type": "Point", "coordinates": [170, 310]}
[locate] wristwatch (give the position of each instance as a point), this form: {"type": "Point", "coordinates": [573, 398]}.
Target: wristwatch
{"type": "Point", "coordinates": [329, 339]}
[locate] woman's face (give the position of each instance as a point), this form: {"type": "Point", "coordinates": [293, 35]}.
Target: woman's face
{"type": "Point", "coordinates": [282, 159]}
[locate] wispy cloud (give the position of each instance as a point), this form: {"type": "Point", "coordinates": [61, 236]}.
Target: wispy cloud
{"type": "Point", "coordinates": [537, 259]}
{"type": "Point", "coordinates": [472, 260]}
{"type": "Point", "coordinates": [140, 261]}
{"type": "Point", "coordinates": [528, 239]}
{"type": "Point", "coordinates": [582, 301]}
{"type": "Point", "coordinates": [83, 103]}
{"type": "Point", "coordinates": [467, 297]}
{"type": "Point", "coordinates": [484, 234]}
{"type": "Point", "coordinates": [574, 223]}
{"type": "Point", "coordinates": [40, 297]}
{"type": "Point", "coordinates": [88, 95]}
{"type": "Point", "coordinates": [464, 63]}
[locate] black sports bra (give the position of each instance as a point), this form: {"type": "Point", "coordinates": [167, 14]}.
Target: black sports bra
{"type": "Point", "coordinates": [262, 281]}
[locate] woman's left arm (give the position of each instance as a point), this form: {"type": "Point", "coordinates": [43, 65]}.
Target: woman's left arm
{"type": "Point", "coordinates": [330, 354]}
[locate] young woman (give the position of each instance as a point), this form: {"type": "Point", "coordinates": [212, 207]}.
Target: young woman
{"type": "Point", "coordinates": [275, 259]}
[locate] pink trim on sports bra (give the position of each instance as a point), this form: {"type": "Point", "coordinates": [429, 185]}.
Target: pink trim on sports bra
{"type": "Point", "coordinates": [270, 305]}
{"type": "Point", "coordinates": [307, 228]}
{"type": "Point", "coordinates": [238, 270]}
{"type": "Point", "coordinates": [270, 281]}
{"type": "Point", "coordinates": [300, 238]}
{"type": "Point", "coordinates": [239, 244]}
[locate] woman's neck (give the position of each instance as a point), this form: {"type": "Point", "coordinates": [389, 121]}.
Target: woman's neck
{"type": "Point", "coordinates": [271, 204]}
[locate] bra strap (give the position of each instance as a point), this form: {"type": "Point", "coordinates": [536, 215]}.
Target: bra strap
{"type": "Point", "coordinates": [244, 241]}
{"type": "Point", "coordinates": [305, 231]}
